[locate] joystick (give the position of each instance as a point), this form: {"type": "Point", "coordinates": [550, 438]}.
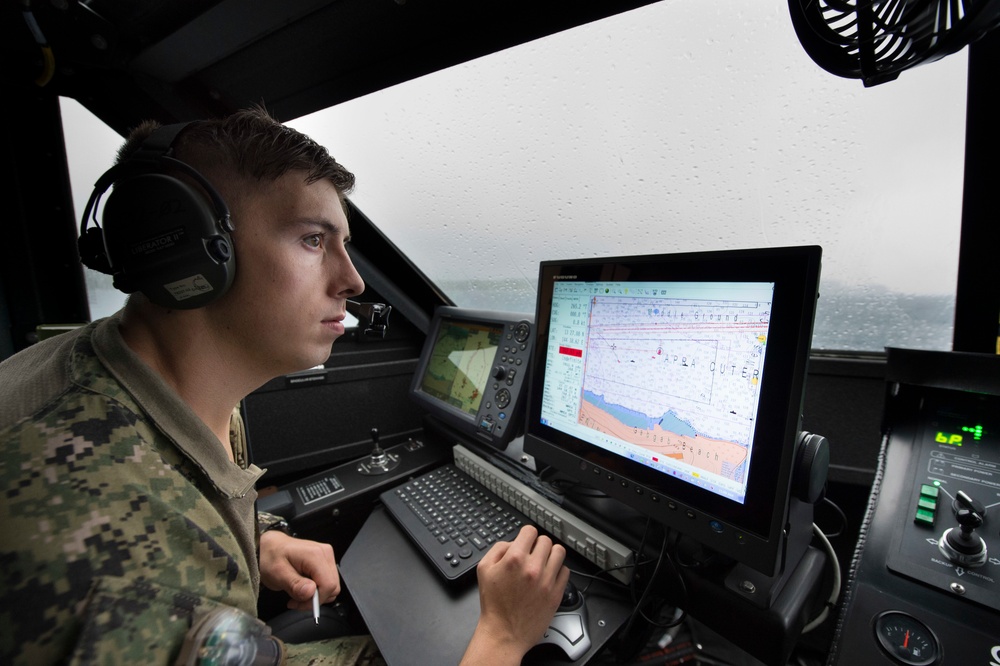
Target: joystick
{"type": "Point", "coordinates": [569, 630]}
{"type": "Point", "coordinates": [964, 546]}
{"type": "Point", "coordinates": [378, 462]}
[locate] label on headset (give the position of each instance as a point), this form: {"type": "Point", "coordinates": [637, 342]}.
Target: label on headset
{"type": "Point", "coordinates": [162, 241]}
{"type": "Point", "coordinates": [189, 287]}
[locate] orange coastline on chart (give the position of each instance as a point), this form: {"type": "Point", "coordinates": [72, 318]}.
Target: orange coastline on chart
{"type": "Point", "coordinates": [712, 455]}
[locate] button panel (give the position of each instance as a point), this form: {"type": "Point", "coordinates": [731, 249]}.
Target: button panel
{"type": "Point", "coordinates": [504, 394]}
{"type": "Point", "coordinates": [927, 504]}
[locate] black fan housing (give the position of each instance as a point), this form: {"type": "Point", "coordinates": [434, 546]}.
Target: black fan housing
{"type": "Point", "coordinates": [875, 40]}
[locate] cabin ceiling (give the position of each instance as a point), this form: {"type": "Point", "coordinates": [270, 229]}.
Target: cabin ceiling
{"type": "Point", "coordinates": [174, 60]}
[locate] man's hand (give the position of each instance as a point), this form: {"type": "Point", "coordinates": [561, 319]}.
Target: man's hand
{"type": "Point", "coordinates": [298, 567]}
{"type": "Point", "coordinates": [521, 583]}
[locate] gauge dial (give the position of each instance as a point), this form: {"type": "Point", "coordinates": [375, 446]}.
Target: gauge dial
{"type": "Point", "coordinates": [906, 639]}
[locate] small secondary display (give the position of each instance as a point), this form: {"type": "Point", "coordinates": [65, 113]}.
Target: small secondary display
{"type": "Point", "coordinates": [460, 363]}
{"type": "Point", "coordinates": [472, 372]}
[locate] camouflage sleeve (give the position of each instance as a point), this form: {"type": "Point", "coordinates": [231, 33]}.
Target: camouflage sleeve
{"type": "Point", "coordinates": [127, 622]}
{"type": "Point", "coordinates": [135, 622]}
{"type": "Point", "coordinates": [92, 495]}
{"type": "Point", "coordinates": [110, 548]}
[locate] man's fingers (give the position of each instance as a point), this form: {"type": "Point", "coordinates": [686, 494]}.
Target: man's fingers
{"type": "Point", "coordinates": [495, 553]}
{"type": "Point", "coordinates": [526, 537]}
{"type": "Point", "coordinates": [556, 557]}
{"type": "Point", "coordinates": [303, 589]}
{"type": "Point", "coordinates": [542, 547]}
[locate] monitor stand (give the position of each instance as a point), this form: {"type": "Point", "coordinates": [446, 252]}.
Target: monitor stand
{"type": "Point", "coordinates": [771, 610]}
{"type": "Point", "coordinates": [762, 590]}
{"type": "Point", "coordinates": [765, 614]}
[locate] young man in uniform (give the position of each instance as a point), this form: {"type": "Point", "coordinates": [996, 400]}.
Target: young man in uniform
{"type": "Point", "coordinates": [128, 505]}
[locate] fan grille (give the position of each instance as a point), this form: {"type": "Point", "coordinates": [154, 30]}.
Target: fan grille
{"type": "Point", "coordinates": [875, 40]}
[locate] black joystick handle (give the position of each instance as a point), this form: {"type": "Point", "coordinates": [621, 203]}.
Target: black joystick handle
{"type": "Point", "coordinates": [378, 455]}
{"type": "Point", "coordinates": [964, 501]}
{"type": "Point", "coordinates": [969, 515]}
{"type": "Point", "coordinates": [378, 461]}
{"type": "Point", "coordinates": [964, 545]}
{"type": "Point", "coordinates": [969, 520]}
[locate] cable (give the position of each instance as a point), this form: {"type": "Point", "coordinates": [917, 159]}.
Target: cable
{"type": "Point", "coordinates": [637, 611]}
{"type": "Point", "coordinates": [843, 518]}
{"type": "Point", "coordinates": [835, 593]}
{"type": "Point", "coordinates": [680, 610]}
{"type": "Point", "coordinates": [613, 581]}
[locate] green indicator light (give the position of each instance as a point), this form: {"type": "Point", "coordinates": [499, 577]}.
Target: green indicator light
{"type": "Point", "coordinates": [976, 431]}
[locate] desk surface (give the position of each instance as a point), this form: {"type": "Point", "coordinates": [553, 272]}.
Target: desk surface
{"type": "Point", "coordinates": [415, 618]}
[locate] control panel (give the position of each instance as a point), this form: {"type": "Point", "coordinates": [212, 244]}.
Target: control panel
{"type": "Point", "coordinates": [952, 539]}
{"type": "Point", "coordinates": [316, 496]}
{"type": "Point", "coordinates": [924, 589]}
{"type": "Point", "coordinates": [507, 376]}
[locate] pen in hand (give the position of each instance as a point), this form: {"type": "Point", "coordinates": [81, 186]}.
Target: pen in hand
{"type": "Point", "coordinates": [316, 605]}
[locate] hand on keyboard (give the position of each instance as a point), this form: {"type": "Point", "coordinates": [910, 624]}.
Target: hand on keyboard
{"type": "Point", "coordinates": [521, 584]}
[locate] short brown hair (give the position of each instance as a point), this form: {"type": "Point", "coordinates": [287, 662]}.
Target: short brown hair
{"type": "Point", "coordinates": [248, 145]}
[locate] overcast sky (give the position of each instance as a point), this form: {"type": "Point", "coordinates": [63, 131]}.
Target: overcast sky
{"type": "Point", "coordinates": [683, 125]}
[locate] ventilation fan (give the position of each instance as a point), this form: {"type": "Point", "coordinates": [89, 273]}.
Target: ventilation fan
{"type": "Point", "coordinates": [875, 40]}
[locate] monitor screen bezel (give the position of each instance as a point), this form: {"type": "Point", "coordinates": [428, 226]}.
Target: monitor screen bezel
{"type": "Point", "coordinates": [758, 522]}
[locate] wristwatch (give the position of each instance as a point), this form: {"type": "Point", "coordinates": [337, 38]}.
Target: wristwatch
{"type": "Point", "coordinates": [268, 521]}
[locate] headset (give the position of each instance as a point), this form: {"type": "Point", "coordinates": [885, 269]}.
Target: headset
{"type": "Point", "coordinates": [161, 235]}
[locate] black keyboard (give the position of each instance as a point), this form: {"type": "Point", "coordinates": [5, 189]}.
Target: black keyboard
{"type": "Point", "coordinates": [452, 518]}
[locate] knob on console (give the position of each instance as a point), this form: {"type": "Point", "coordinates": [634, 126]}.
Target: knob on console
{"type": "Point", "coordinates": [812, 464]}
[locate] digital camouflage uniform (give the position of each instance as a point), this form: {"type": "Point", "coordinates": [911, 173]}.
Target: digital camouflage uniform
{"type": "Point", "coordinates": [122, 520]}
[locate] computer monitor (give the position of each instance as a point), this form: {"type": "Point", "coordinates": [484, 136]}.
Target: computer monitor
{"type": "Point", "coordinates": [674, 384]}
{"type": "Point", "coordinates": [471, 373]}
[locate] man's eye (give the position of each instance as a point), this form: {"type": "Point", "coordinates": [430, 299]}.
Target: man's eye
{"type": "Point", "coordinates": [316, 240]}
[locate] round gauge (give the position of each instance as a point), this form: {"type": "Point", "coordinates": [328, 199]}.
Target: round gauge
{"type": "Point", "coordinates": [906, 639]}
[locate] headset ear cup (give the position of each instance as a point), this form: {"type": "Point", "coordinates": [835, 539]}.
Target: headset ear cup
{"type": "Point", "coordinates": [165, 240]}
